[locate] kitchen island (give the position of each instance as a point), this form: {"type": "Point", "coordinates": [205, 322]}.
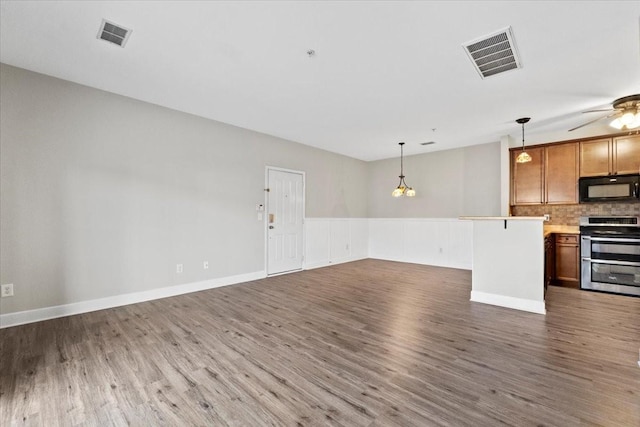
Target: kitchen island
{"type": "Point", "coordinates": [508, 262]}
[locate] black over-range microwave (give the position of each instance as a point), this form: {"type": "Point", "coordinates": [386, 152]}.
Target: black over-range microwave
{"type": "Point", "coordinates": [616, 188]}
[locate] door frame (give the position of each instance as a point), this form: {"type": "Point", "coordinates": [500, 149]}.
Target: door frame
{"type": "Point", "coordinates": [265, 217]}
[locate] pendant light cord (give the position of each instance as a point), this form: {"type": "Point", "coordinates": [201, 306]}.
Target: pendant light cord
{"type": "Point", "coordinates": [401, 160]}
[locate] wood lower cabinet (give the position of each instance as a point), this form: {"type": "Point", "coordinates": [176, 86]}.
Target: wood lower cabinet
{"type": "Point", "coordinates": [610, 156]}
{"type": "Point", "coordinates": [549, 260]}
{"type": "Point", "coordinates": [567, 257]}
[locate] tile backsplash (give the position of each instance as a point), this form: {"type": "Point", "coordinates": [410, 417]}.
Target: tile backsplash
{"type": "Point", "coordinates": [570, 214]}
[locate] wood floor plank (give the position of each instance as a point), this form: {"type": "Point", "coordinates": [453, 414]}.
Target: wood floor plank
{"type": "Point", "coordinates": [367, 343]}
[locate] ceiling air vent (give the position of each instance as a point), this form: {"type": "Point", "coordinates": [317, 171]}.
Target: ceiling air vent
{"type": "Point", "coordinates": [494, 54]}
{"type": "Point", "coordinates": [113, 33]}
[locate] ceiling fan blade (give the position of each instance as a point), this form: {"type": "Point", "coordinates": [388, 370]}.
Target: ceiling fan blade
{"type": "Point", "coordinates": [593, 121]}
{"type": "Point", "coordinates": [597, 111]}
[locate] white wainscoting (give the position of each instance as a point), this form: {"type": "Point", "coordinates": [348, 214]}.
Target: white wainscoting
{"type": "Point", "coordinates": [335, 240]}
{"type": "Point", "coordinates": [446, 242]}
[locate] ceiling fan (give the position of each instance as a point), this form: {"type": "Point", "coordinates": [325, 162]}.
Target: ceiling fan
{"type": "Point", "coordinates": [626, 111]}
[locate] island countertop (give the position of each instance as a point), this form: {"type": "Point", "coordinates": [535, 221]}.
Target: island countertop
{"type": "Point", "coordinates": [503, 218]}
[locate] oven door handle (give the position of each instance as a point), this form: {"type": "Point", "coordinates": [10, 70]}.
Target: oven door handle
{"type": "Point", "coordinates": [611, 239]}
{"type": "Point", "coordinates": [606, 261]}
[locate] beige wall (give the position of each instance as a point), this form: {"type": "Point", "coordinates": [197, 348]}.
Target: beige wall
{"type": "Point", "coordinates": [451, 183]}
{"type": "Point", "coordinates": [103, 195]}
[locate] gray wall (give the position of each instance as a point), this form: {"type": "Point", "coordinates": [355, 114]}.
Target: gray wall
{"type": "Point", "coordinates": [448, 184]}
{"type": "Point", "coordinates": [103, 195]}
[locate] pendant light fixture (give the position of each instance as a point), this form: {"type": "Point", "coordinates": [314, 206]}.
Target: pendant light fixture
{"type": "Point", "coordinates": [523, 157]}
{"type": "Point", "coordinates": [403, 189]}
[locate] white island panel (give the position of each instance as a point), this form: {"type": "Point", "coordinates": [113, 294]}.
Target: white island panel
{"type": "Point", "coordinates": [508, 262]}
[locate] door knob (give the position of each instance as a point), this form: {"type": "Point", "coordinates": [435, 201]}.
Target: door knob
{"type": "Point", "coordinates": [271, 227]}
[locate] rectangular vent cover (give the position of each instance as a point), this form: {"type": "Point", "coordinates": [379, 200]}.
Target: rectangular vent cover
{"type": "Point", "coordinates": [428, 143]}
{"type": "Point", "coordinates": [494, 54]}
{"type": "Point", "coordinates": [113, 33]}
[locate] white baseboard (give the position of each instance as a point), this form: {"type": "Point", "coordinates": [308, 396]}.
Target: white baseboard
{"type": "Point", "coordinates": [46, 313]}
{"type": "Point", "coordinates": [325, 263]}
{"type": "Point", "coordinates": [434, 264]}
{"type": "Point", "coordinates": [509, 302]}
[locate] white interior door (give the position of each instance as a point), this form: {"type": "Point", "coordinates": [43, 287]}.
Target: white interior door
{"type": "Point", "coordinates": [285, 213]}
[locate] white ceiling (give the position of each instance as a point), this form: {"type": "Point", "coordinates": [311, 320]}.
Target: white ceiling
{"type": "Point", "coordinates": [383, 72]}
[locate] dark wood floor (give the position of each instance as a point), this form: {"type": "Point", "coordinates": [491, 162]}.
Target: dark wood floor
{"type": "Point", "coordinates": [369, 343]}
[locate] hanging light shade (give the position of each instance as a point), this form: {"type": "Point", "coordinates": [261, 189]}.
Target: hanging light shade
{"type": "Point", "coordinates": [403, 189]}
{"type": "Point", "coordinates": [523, 157]}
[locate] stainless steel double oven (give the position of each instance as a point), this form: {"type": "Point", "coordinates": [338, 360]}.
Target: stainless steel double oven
{"type": "Point", "coordinates": [610, 254]}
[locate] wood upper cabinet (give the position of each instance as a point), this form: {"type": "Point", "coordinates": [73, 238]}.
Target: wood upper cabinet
{"type": "Point", "coordinates": [527, 179]}
{"type": "Point", "coordinates": [610, 156]}
{"type": "Point", "coordinates": [596, 157]}
{"type": "Point", "coordinates": [626, 150]}
{"type": "Point", "coordinates": [550, 177]}
{"type": "Point", "coordinates": [561, 173]}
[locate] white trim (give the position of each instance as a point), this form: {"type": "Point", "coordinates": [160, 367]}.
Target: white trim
{"type": "Point", "coordinates": [333, 262]}
{"type": "Point", "coordinates": [46, 313]}
{"type": "Point", "coordinates": [509, 302]}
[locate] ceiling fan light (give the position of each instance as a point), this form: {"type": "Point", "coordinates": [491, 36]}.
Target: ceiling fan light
{"type": "Point", "coordinates": [617, 123]}
{"type": "Point", "coordinates": [627, 117]}
{"type": "Point", "coordinates": [635, 123]}
{"type": "Point", "coordinates": [523, 157]}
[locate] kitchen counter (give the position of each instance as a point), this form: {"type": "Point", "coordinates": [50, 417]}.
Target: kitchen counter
{"type": "Point", "coordinates": [562, 229]}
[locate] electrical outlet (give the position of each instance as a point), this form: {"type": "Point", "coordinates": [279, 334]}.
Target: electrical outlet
{"type": "Point", "coordinates": [547, 217]}
{"type": "Point", "coordinates": [7, 290]}
{"type": "Point", "coordinates": [179, 268]}
{"type": "Point", "coordinates": [205, 265]}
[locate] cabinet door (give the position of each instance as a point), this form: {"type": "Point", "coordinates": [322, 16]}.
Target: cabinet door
{"type": "Point", "coordinates": [627, 154]}
{"type": "Point", "coordinates": [561, 173]}
{"type": "Point", "coordinates": [568, 260]}
{"type": "Point", "coordinates": [549, 260]}
{"type": "Point", "coordinates": [527, 178]}
{"type": "Point", "coordinates": [595, 157]}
